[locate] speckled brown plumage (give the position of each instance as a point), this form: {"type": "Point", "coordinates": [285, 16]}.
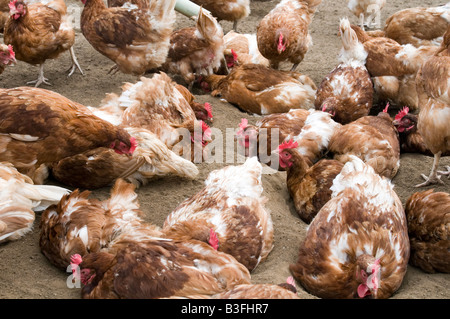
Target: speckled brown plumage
{"type": "Point", "coordinates": [257, 89]}
{"type": "Point", "coordinates": [374, 139]}
{"type": "Point", "coordinates": [232, 205]}
{"type": "Point", "coordinates": [196, 51]}
{"type": "Point", "coordinates": [291, 18]}
{"type": "Point", "coordinates": [160, 268]}
{"type": "Point", "coordinates": [362, 224]}
{"type": "Point", "coordinates": [100, 167]}
{"type": "Point", "coordinates": [417, 26]}
{"type": "Point", "coordinates": [37, 35]}
{"type": "Point", "coordinates": [428, 216]}
{"type": "Point", "coordinates": [394, 66]}
{"type": "Point", "coordinates": [38, 126]}
{"type": "Point", "coordinates": [433, 88]}
{"type": "Point", "coordinates": [229, 10]}
{"type": "Point", "coordinates": [309, 186]}
{"type": "Point", "coordinates": [136, 40]}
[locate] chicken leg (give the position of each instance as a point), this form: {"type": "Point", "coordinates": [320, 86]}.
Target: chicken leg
{"type": "Point", "coordinates": [434, 178]}
{"type": "Point", "coordinates": [235, 25]}
{"type": "Point", "coordinates": [41, 79]}
{"type": "Point", "coordinates": [75, 64]}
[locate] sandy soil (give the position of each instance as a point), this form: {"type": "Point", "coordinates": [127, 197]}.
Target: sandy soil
{"type": "Point", "coordinates": [26, 273]}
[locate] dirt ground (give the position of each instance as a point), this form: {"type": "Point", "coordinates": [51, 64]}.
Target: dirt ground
{"type": "Point", "coordinates": [26, 273]}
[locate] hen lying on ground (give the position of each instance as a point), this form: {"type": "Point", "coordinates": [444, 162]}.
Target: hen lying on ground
{"type": "Point", "coordinates": [308, 186]}
{"type": "Point", "coordinates": [158, 105]}
{"type": "Point", "coordinates": [228, 213]}
{"type": "Point", "coordinates": [257, 89]}
{"type": "Point", "coordinates": [357, 245]}
{"type": "Point", "coordinates": [374, 139]}
{"type": "Point", "coordinates": [116, 255]}
{"type": "Point", "coordinates": [428, 216]}
{"type": "Point", "coordinates": [40, 127]}
{"type": "Point", "coordinates": [269, 131]}
{"type": "Point", "coordinates": [102, 166]}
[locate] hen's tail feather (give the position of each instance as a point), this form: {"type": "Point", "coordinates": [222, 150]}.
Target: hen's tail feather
{"type": "Point", "coordinates": [15, 222]}
{"type": "Point", "coordinates": [43, 195]}
{"type": "Point", "coordinates": [123, 203]}
{"type": "Point", "coordinates": [352, 48]}
{"type": "Point", "coordinates": [207, 26]}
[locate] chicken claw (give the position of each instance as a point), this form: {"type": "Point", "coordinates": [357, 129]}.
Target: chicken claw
{"type": "Point", "coordinates": [447, 172]}
{"type": "Point", "coordinates": [430, 180]}
{"type": "Point", "coordinates": [41, 79]}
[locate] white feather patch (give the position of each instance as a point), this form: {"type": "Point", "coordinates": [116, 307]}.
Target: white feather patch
{"type": "Point", "coordinates": [24, 137]}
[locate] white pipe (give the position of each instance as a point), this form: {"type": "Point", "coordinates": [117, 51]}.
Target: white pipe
{"type": "Point", "coordinates": [188, 8]}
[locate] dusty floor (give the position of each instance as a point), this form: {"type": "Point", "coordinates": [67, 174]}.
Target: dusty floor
{"type": "Point", "coordinates": [25, 272]}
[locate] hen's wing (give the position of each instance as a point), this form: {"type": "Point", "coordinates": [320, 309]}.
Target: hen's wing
{"type": "Point", "coordinates": [122, 27]}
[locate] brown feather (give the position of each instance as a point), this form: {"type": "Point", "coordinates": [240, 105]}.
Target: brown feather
{"type": "Point", "coordinates": [36, 36]}
{"type": "Point", "coordinates": [292, 20]}
{"type": "Point", "coordinates": [257, 89]}
{"type": "Point", "coordinates": [428, 215]}
{"type": "Point", "coordinates": [136, 40]}
{"type": "Point", "coordinates": [58, 126]}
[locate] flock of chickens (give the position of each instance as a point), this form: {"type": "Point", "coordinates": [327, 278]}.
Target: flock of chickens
{"type": "Point", "coordinates": [360, 237]}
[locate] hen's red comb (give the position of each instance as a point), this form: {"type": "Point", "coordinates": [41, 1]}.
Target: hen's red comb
{"type": "Point", "coordinates": [386, 108]}
{"type": "Point", "coordinates": [401, 113]}
{"type": "Point", "coordinates": [234, 55]}
{"type": "Point", "coordinates": [242, 126]}
{"type": "Point", "coordinates": [12, 5]}
{"type": "Point", "coordinates": [76, 259]}
{"type": "Point", "coordinates": [287, 144]}
{"type": "Point", "coordinates": [205, 127]}
{"type": "Point", "coordinates": [213, 240]}
{"type": "Point", "coordinates": [244, 123]}
{"type": "Point", "coordinates": [208, 109]}
{"type": "Point", "coordinates": [133, 146]}
{"type": "Point", "coordinates": [11, 51]}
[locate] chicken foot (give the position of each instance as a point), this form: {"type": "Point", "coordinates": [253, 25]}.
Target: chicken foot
{"type": "Point", "coordinates": [447, 173]}
{"type": "Point", "coordinates": [434, 178]}
{"type": "Point", "coordinates": [41, 79]}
